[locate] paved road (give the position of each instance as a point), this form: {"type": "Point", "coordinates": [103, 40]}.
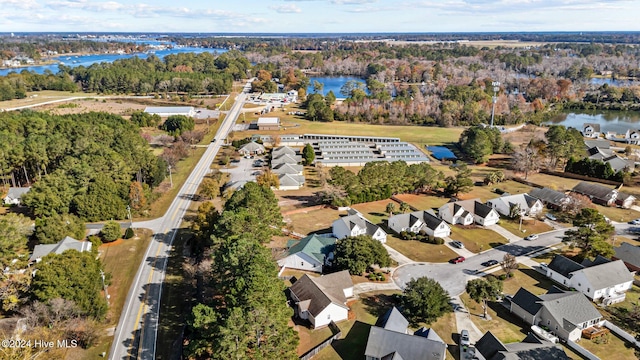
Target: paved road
{"type": "Point", "coordinates": [453, 277]}
{"type": "Point", "coordinates": [136, 333]}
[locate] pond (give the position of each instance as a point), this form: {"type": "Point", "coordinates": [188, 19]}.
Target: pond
{"type": "Point", "coordinates": [332, 83]}
{"type": "Point", "coordinates": [615, 121]}
{"type": "Point", "coordinates": [441, 153]}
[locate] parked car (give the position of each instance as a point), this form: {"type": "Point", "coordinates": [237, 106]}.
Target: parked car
{"type": "Point", "coordinates": [458, 244]}
{"type": "Point", "coordinates": [489, 263]}
{"type": "Point", "coordinates": [464, 338]}
{"type": "Point", "coordinates": [635, 222]}
{"type": "Point", "coordinates": [532, 237]}
{"type": "Point", "coordinates": [457, 260]}
{"type": "Point", "coordinates": [551, 217]}
{"type": "Point", "coordinates": [543, 266]}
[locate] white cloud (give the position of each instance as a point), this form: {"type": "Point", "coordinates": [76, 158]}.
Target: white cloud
{"type": "Point", "coordinates": [286, 9]}
{"type": "Point", "coordinates": [19, 4]}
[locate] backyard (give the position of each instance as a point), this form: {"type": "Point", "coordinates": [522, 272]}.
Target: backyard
{"type": "Point", "coordinates": [423, 202]}
{"type": "Point", "coordinates": [316, 220]}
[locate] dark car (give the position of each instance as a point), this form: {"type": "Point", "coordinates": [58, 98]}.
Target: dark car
{"type": "Point", "coordinates": [489, 263]}
{"type": "Point", "coordinates": [457, 260]}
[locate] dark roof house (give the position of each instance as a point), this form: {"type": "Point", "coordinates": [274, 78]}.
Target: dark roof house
{"type": "Point", "coordinates": [597, 193]}
{"type": "Point", "coordinates": [550, 197]}
{"type": "Point", "coordinates": [322, 299]}
{"type": "Point", "coordinates": [630, 254]}
{"type": "Point", "coordinates": [531, 348]}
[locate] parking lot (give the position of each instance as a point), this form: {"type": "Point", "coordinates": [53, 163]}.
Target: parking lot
{"type": "Point", "coordinates": [243, 171]}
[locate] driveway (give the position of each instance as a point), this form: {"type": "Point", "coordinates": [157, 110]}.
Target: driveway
{"type": "Point", "coordinates": [504, 233]}
{"type": "Point", "coordinates": [462, 252]}
{"type": "Point", "coordinates": [453, 277]}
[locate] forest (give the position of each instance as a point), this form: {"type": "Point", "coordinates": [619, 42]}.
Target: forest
{"type": "Point", "coordinates": [84, 164]}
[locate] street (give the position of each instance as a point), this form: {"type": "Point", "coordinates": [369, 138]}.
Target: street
{"type": "Point", "coordinates": [136, 333]}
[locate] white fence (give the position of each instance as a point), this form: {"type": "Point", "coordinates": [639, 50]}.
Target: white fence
{"type": "Point", "coordinates": [623, 334]}
{"type": "Point", "coordinates": [582, 351]}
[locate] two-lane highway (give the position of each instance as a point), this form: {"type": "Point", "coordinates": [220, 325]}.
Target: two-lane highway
{"type": "Point", "coordinates": [136, 333]}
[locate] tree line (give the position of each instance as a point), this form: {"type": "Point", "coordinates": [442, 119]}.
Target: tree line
{"type": "Point", "coordinates": [241, 310]}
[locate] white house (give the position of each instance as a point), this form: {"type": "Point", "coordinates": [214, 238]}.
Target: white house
{"type": "Point", "coordinates": [418, 221]}
{"type": "Point", "coordinates": [601, 279]}
{"type": "Point", "coordinates": [529, 205]}
{"type": "Point", "coordinates": [591, 130]}
{"type": "Point", "coordinates": [355, 224]}
{"type": "Point", "coordinates": [322, 299]}
{"type": "Point", "coordinates": [467, 212]}
{"type": "Point", "coordinates": [290, 169]}
{"type": "Point", "coordinates": [632, 137]}
{"type": "Point", "coordinates": [290, 182]}
{"type": "Point", "coordinates": [251, 148]}
{"type": "Point", "coordinates": [14, 195]}
{"type": "Point", "coordinates": [310, 253]}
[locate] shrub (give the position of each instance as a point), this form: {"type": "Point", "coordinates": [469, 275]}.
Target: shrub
{"type": "Point", "coordinates": [502, 277]}
{"type": "Point", "coordinates": [372, 276]}
{"type": "Point", "coordinates": [438, 241]}
{"type": "Point", "coordinates": [128, 234]}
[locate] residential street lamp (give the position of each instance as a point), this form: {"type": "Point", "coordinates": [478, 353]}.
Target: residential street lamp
{"type": "Point", "coordinates": [494, 99]}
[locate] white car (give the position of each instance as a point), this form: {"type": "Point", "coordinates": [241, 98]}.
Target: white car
{"type": "Point", "coordinates": [464, 338]}
{"type": "Point", "coordinates": [532, 237]}
{"type": "Point", "coordinates": [458, 244]}
{"type": "Point", "coordinates": [635, 222]}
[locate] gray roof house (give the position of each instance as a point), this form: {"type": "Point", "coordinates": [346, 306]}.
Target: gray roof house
{"type": "Point", "coordinates": [531, 348]}
{"type": "Point", "coordinates": [310, 253]}
{"type": "Point", "coordinates": [290, 182]}
{"type": "Point", "coordinates": [603, 195]}
{"type": "Point", "coordinates": [290, 169]}
{"type": "Point", "coordinates": [591, 130]}
{"type": "Point", "coordinates": [551, 198]}
{"type": "Point", "coordinates": [322, 299]}
{"type": "Point", "coordinates": [564, 313]}
{"type": "Point", "coordinates": [282, 150]}
{"type": "Point", "coordinates": [251, 148]}
{"type": "Point", "coordinates": [355, 224]}
{"type": "Point", "coordinates": [467, 212]}
{"type": "Point", "coordinates": [601, 279]}
{"type": "Point", "coordinates": [286, 159]}
{"type": "Point", "coordinates": [528, 204]}
{"type": "Point", "coordinates": [418, 221]}
{"type": "Point", "coordinates": [68, 243]}
{"type": "Point", "coordinates": [630, 254]}
{"type": "Point", "coordinates": [600, 143]}
{"type": "Point", "coordinates": [14, 195]}
{"type": "Point", "coordinates": [390, 339]}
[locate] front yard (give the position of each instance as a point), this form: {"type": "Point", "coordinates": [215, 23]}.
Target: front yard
{"type": "Point", "coordinates": [420, 251]}
{"type": "Point", "coordinates": [529, 226]}
{"type": "Point", "coordinates": [316, 220]}
{"type": "Point", "coordinates": [477, 239]}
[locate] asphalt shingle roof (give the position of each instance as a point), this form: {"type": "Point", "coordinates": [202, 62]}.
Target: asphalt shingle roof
{"type": "Point", "coordinates": [318, 247]}
{"type": "Point", "coordinates": [68, 243]}
{"type": "Point", "coordinates": [564, 265]}
{"type": "Point", "coordinates": [389, 344]}
{"type": "Point", "coordinates": [595, 191]}
{"type": "Point", "coordinates": [318, 293]}
{"type": "Point", "coordinates": [628, 253]}
{"type": "Point", "coordinates": [549, 196]}
{"type": "Point", "coordinates": [393, 320]}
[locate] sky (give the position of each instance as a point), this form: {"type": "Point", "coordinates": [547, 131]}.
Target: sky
{"type": "Point", "coordinates": [318, 16]}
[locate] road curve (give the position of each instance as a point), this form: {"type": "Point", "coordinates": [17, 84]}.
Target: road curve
{"type": "Point", "coordinates": [136, 333]}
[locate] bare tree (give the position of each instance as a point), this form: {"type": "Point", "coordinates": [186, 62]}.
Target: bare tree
{"type": "Point", "coordinates": [509, 264]}
{"type": "Point", "coordinates": [526, 159]}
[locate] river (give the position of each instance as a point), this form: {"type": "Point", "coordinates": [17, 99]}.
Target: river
{"type": "Point", "coordinates": [615, 121]}
{"type": "Point", "coordinates": [88, 60]}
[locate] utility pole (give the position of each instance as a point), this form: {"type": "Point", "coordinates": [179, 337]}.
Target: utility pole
{"type": "Point", "coordinates": [494, 99]}
{"type": "Point", "coordinates": [104, 286]}
{"type": "Point", "coordinates": [170, 177]}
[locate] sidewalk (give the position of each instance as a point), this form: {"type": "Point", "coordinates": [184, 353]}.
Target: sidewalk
{"type": "Point", "coordinates": [504, 233]}
{"type": "Point", "coordinates": [463, 320]}
{"type": "Point", "coordinates": [397, 256]}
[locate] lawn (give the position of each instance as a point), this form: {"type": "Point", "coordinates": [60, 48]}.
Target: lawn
{"type": "Point", "coordinates": [420, 135]}
{"type": "Point", "coordinates": [420, 251]}
{"type": "Point", "coordinates": [477, 239]}
{"type": "Point", "coordinates": [503, 324]}
{"type": "Point", "coordinates": [376, 211]}
{"type": "Point", "coordinates": [308, 222]}
{"type": "Point", "coordinates": [618, 240]}
{"type": "Point", "coordinates": [423, 202]}
{"type": "Point", "coordinates": [43, 96]}
{"type": "Point", "coordinates": [446, 328]}
{"type": "Point", "coordinates": [527, 278]}
{"type": "Point", "coordinates": [121, 260]}
{"type": "Point", "coordinates": [553, 182]}
{"type": "Point", "coordinates": [529, 226]}
{"type": "Point", "coordinates": [618, 214]}
{"type": "Point", "coordinates": [609, 344]}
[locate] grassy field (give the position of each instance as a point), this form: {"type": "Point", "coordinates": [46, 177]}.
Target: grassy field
{"type": "Point", "coordinates": [477, 239]}
{"type": "Point", "coordinates": [485, 193]}
{"type": "Point", "coordinates": [420, 251]}
{"type": "Point", "coordinates": [421, 135]}
{"type": "Point", "coordinates": [313, 221]}
{"type": "Point", "coordinates": [43, 96]}
{"type": "Point", "coordinates": [422, 202]}
{"type": "Point", "coordinates": [611, 344]}
{"type": "Point", "coordinates": [527, 278]}
{"type": "Point", "coordinates": [376, 211]}
{"type": "Point", "coordinates": [529, 226]}
{"type": "Point", "coordinates": [121, 260]}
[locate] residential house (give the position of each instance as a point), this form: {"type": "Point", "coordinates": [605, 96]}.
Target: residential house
{"type": "Point", "coordinates": [591, 130]}
{"type": "Point", "coordinates": [281, 150]}
{"type": "Point", "coordinates": [14, 195]}
{"type": "Point", "coordinates": [355, 224]}
{"type": "Point", "coordinates": [251, 148]}
{"type": "Point", "coordinates": [322, 299]}
{"type": "Point", "coordinates": [310, 253]}
{"type": "Point", "coordinates": [629, 254]}
{"type": "Point", "coordinates": [528, 204]}
{"type": "Point", "coordinates": [390, 339]}
{"type": "Point", "coordinates": [418, 221]}
{"type": "Point", "coordinates": [599, 280]}
{"type": "Point", "coordinates": [290, 182]}
{"type": "Point", "coordinates": [290, 169]}
{"type": "Point", "coordinates": [531, 348]}
{"type": "Point", "coordinates": [286, 159]}
{"type": "Point", "coordinates": [600, 194]}
{"type": "Point", "coordinates": [68, 243]}
{"type": "Point", "coordinates": [609, 156]}
{"type": "Point", "coordinates": [632, 136]}
{"type": "Point", "coordinates": [600, 143]}
{"type": "Point", "coordinates": [564, 313]}
{"type": "Point", "coordinates": [551, 198]}
{"type": "Point", "coordinates": [467, 212]}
